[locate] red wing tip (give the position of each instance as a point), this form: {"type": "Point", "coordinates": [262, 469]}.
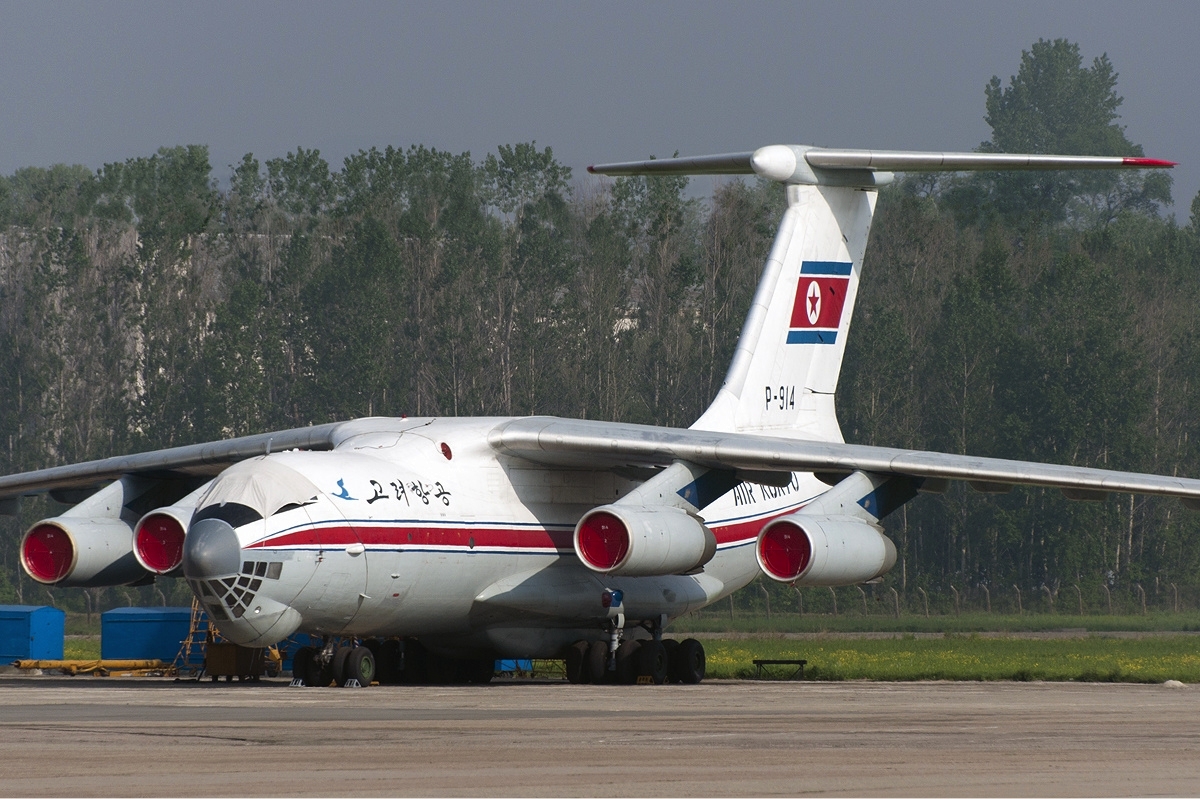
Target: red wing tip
{"type": "Point", "coordinates": [1148, 162]}
{"type": "Point", "coordinates": [592, 169]}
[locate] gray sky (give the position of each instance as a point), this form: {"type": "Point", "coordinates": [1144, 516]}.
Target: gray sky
{"type": "Point", "coordinates": [92, 83]}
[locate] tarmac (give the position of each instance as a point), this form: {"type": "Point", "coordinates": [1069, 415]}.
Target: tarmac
{"type": "Point", "coordinates": [90, 736]}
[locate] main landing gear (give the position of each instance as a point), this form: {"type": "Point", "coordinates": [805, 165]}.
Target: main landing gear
{"type": "Point", "coordinates": [389, 662]}
{"type": "Point", "coordinates": [625, 662]}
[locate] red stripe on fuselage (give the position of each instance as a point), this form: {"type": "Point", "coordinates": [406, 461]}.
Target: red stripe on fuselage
{"type": "Point", "coordinates": [417, 536]}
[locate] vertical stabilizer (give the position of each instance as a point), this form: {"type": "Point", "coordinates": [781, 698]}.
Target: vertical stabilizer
{"type": "Point", "coordinates": [789, 354]}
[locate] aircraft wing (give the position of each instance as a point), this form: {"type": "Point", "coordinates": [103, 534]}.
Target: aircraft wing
{"type": "Point", "coordinates": [196, 459]}
{"type": "Point", "coordinates": [584, 443]}
{"type": "Point", "coordinates": [594, 444]}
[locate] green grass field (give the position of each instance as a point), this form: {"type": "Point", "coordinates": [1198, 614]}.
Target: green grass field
{"type": "Point", "coordinates": [82, 648]}
{"type": "Point", "coordinates": [967, 657]}
{"type": "Point", "coordinates": [855, 622]}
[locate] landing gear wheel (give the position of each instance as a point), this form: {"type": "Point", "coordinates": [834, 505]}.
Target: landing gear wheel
{"type": "Point", "coordinates": [652, 661]}
{"type": "Point", "coordinates": [576, 662]}
{"type": "Point", "coordinates": [627, 660]}
{"type": "Point", "coordinates": [301, 661]}
{"type": "Point", "coordinates": [597, 662]}
{"type": "Point", "coordinates": [689, 662]}
{"type": "Point", "coordinates": [359, 664]}
{"type": "Point", "coordinates": [339, 664]}
{"type": "Point", "coordinates": [672, 647]}
{"type": "Point", "coordinates": [300, 664]}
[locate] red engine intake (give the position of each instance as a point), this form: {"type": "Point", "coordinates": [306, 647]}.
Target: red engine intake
{"type": "Point", "coordinates": [602, 540]}
{"type": "Point", "coordinates": [47, 553]}
{"type": "Point", "coordinates": [642, 541]}
{"type": "Point", "coordinates": [784, 551]}
{"type": "Point", "coordinates": [823, 550]}
{"type": "Point", "coordinates": [80, 551]}
{"type": "Point", "coordinates": [158, 542]}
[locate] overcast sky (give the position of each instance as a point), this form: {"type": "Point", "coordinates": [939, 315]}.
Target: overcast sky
{"type": "Point", "coordinates": [95, 82]}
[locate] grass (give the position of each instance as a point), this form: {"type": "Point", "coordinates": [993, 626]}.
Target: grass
{"type": "Point", "coordinates": [969, 657]}
{"type": "Point", "coordinates": [1157, 621]}
{"type": "Point", "coordinates": [82, 648]}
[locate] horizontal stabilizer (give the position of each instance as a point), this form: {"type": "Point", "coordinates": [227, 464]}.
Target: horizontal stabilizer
{"type": "Point", "coordinates": [911, 161]}
{"type": "Point", "coordinates": [789, 163]}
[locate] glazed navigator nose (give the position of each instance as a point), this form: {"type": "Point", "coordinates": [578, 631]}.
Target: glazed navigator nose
{"type": "Point", "coordinates": [211, 550]}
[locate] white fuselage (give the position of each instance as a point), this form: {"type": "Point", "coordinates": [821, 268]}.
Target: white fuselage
{"type": "Point", "coordinates": [424, 530]}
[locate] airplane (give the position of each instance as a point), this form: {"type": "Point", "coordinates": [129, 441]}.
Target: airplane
{"type": "Point", "coordinates": [421, 549]}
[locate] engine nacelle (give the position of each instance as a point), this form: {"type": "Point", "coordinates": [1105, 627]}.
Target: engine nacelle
{"type": "Point", "coordinates": [81, 552]}
{"type": "Point", "coordinates": [642, 541]}
{"type": "Point", "coordinates": [158, 540]}
{"type": "Point", "coordinates": [823, 550]}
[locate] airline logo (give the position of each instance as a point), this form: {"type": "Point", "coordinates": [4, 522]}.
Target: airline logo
{"type": "Point", "coordinates": [820, 297]}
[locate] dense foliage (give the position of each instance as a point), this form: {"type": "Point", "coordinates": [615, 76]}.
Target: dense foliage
{"type": "Point", "coordinates": [1045, 317]}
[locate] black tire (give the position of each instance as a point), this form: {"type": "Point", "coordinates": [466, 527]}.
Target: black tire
{"type": "Point", "coordinates": [689, 663]}
{"type": "Point", "coordinates": [672, 647]}
{"type": "Point", "coordinates": [359, 664]}
{"type": "Point", "coordinates": [576, 663]}
{"type": "Point", "coordinates": [340, 656]}
{"type": "Point", "coordinates": [597, 662]}
{"type": "Point", "coordinates": [652, 661]}
{"type": "Point", "coordinates": [300, 664]}
{"type": "Point", "coordinates": [627, 662]}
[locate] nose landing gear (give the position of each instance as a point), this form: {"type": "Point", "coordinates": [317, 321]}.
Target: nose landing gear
{"type": "Point", "coordinates": [346, 666]}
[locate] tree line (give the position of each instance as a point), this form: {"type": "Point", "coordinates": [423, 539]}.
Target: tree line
{"type": "Point", "coordinates": [1044, 316]}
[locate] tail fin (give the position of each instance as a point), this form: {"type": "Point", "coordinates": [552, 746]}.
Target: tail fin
{"type": "Point", "coordinates": [785, 371]}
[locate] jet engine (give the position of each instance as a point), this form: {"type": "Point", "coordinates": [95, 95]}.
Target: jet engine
{"type": "Point", "coordinates": [823, 550]}
{"type": "Point", "coordinates": [81, 552]}
{"type": "Point", "coordinates": [633, 541]}
{"type": "Point", "coordinates": [158, 539]}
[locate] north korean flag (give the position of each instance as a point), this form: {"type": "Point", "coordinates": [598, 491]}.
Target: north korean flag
{"type": "Point", "coordinates": [820, 297]}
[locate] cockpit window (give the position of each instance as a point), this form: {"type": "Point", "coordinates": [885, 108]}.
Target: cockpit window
{"type": "Point", "coordinates": [264, 484]}
{"type": "Point", "coordinates": [232, 513]}
{"type": "Point", "coordinates": [293, 506]}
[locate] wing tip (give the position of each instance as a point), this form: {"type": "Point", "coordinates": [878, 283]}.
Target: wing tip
{"type": "Point", "coordinates": [1148, 162]}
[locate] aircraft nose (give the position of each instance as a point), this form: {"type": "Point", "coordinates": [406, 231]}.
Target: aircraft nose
{"type": "Point", "coordinates": [211, 550]}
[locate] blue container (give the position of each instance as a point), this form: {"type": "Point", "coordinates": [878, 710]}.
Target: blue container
{"type": "Point", "coordinates": [519, 666]}
{"type": "Point", "coordinates": [31, 632]}
{"type": "Point", "coordinates": [143, 633]}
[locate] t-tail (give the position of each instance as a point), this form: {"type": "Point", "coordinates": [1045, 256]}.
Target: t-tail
{"type": "Point", "coordinates": [785, 371]}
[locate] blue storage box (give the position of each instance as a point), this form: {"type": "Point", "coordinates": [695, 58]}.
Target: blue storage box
{"type": "Point", "coordinates": [31, 632]}
{"type": "Point", "coordinates": [143, 633]}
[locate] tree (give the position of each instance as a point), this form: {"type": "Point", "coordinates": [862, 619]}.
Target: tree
{"type": "Point", "coordinates": [300, 183]}
{"type": "Point", "coordinates": [1054, 104]}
